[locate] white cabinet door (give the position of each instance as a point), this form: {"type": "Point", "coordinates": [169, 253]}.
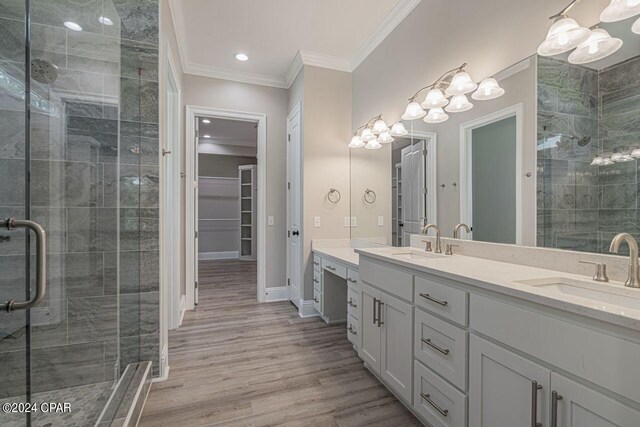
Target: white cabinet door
{"type": "Point", "coordinates": [505, 389]}
{"type": "Point", "coordinates": [396, 359]}
{"type": "Point", "coordinates": [579, 406]}
{"type": "Point", "coordinates": [370, 329]}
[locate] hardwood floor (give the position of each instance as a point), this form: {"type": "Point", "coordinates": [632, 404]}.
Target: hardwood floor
{"type": "Point", "coordinates": [236, 362]}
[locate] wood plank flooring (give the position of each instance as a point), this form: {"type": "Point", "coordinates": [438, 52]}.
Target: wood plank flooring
{"type": "Point", "coordinates": [235, 362]}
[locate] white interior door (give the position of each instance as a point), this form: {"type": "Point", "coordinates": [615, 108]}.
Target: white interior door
{"type": "Point", "coordinates": [413, 186]}
{"type": "Point", "coordinates": [195, 214]}
{"type": "Point", "coordinates": [294, 208]}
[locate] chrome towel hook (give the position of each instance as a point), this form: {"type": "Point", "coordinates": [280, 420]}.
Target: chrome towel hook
{"type": "Point", "coordinates": [334, 199]}
{"type": "Point", "coordinates": [369, 196]}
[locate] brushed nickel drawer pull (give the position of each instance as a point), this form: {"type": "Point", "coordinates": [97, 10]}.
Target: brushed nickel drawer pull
{"type": "Point", "coordinates": [316, 281]}
{"type": "Point", "coordinates": [315, 300]}
{"type": "Point", "coordinates": [380, 304]}
{"type": "Point", "coordinates": [350, 302]}
{"type": "Point", "coordinates": [535, 387]}
{"type": "Point", "coordinates": [430, 298]}
{"type": "Point", "coordinates": [350, 280]}
{"type": "Point", "coordinates": [555, 397]}
{"type": "Point", "coordinates": [350, 329]}
{"type": "Point", "coordinates": [316, 263]}
{"type": "Point", "coordinates": [331, 268]}
{"type": "Point", "coordinates": [427, 397]}
{"type": "Point", "coordinates": [375, 301]}
{"type": "Point", "coordinates": [428, 342]}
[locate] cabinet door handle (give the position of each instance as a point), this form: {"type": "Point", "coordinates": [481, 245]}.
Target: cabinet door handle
{"type": "Point", "coordinates": [316, 263]}
{"type": "Point", "coordinates": [350, 280]}
{"type": "Point", "coordinates": [316, 281]}
{"type": "Point", "coordinates": [437, 301]}
{"type": "Point", "coordinates": [535, 387]}
{"type": "Point", "coordinates": [427, 397]}
{"type": "Point", "coordinates": [554, 408]}
{"type": "Point", "coordinates": [380, 323]}
{"type": "Point", "coordinates": [350, 302]}
{"type": "Point", "coordinates": [330, 268]}
{"type": "Point", "coordinates": [316, 300]}
{"type": "Point", "coordinates": [375, 301]}
{"type": "Point", "coordinates": [350, 329]}
{"type": "Point", "coordinates": [428, 342]}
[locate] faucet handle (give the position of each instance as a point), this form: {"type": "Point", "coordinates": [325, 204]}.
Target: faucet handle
{"type": "Point", "coordinates": [601, 271]}
{"type": "Point", "coordinates": [427, 245]}
{"type": "Point", "coordinates": [449, 248]}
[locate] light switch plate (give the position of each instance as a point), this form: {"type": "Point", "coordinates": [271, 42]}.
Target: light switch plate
{"type": "Point", "coordinates": [347, 221]}
{"type": "Point", "coordinates": [270, 220]}
{"type": "Point", "coordinates": [354, 222]}
{"type": "Point", "coordinates": [316, 221]}
{"type": "Point", "coordinates": [380, 220]}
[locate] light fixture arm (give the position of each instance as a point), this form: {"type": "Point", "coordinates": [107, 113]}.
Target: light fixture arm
{"type": "Point", "coordinates": [437, 82]}
{"type": "Point", "coordinates": [366, 125]}
{"type": "Point", "coordinates": [564, 11]}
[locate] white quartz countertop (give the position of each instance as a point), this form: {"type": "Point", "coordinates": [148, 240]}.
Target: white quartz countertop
{"type": "Point", "coordinates": [345, 255]}
{"type": "Point", "coordinates": [504, 278]}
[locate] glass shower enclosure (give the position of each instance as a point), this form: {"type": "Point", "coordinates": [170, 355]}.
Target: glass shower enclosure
{"type": "Point", "coordinates": [74, 208]}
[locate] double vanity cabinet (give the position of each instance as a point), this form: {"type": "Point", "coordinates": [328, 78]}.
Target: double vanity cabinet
{"type": "Point", "coordinates": [464, 351]}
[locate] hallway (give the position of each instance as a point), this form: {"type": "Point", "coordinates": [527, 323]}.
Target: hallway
{"type": "Point", "coordinates": [235, 362]}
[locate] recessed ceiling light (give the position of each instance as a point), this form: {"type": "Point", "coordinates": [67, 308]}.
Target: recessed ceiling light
{"type": "Point", "coordinates": [105, 21]}
{"type": "Point", "coordinates": [207, 121]}
{"type": "Point", "coordinates": [241, 57]}
{"type": "Point", "coordinates": [73, 26]}
{"type": "Point", "coordinates": [206, 136]}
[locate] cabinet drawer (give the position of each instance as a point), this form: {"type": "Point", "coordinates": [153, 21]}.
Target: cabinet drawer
{"type": "Point", "coordinates": [352, 278]}
{"type": "Point", "coordinates": [317, 280]}
{"type": "Point", "coordinates": [353, 302]}
{"type": "Point", "coordinates": [441, 299]}
{"type": "Point", "coordinates": [335, 268]}
{"type": "Point", "coordinates": [437, 401]}
{"type": "Point", "coordinates": [317, 300]}
{"type": "Point", "coordinates": [442, 347]}
{"type": "Point", "coordinates": [317, 263]}
{"type": "Point", "coordinates": [352, 330]}
{"type": "Point", "coordinates": [389, 279]}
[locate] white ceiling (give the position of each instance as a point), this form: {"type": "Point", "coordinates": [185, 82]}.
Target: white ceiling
{"type": "Point", "coordinates": [280, 35]}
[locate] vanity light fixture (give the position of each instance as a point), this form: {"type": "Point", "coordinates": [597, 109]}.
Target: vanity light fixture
{"type": "Point", "coordinates": [636, 26]}
{"type": "Point", "coordinates": [565, 34]}
{"type": "Point", "coordinates": [488, 89]}
{"type": "Point", "coordinates": [413, 111]}
{"type": "Point", "coordinates": [461, 84]}
{"type": "Point", "coordinates": [105, 21]}
{"type": "Point", "coordinates": [379, 127]}
{"type": "Point", "coordinates": [72, 26]}
{"type": "Point", "coordinates": [385, 138]}
{"type": "Point", "coordinates": [599, 45]}
{"type": "Point", "coordinates": [356, 142]}
{"type": "Point", "coordinates": [367, 135]}
{"type": "Point", "coordinates": [619, 10]}
{"type": "Point", "coordinates": [635, 153]}
{"type": "Point", "coordinates": [398, 129]}
{"type": "Point", "coordinates": [436, 115]}
{"type": "Point", "coordinates": [458, 104]}
{"type": "Point", "coordinates": [597, 161]}
{"type": "Point", "coordinates": [435, 99]}
{"type": "Point", "coordinates": [615, 157]}
{"type": "Point", "coordinates": [368, 139]}
{"type": "Point", "coordinates": [373, 145]}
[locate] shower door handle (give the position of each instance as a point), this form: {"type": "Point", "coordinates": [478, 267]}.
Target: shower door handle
{"type": "Point", "coordinates": [41, 263]}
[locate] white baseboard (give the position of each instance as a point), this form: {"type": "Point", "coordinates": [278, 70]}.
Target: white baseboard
{"type": "Point", "coordinates": [208, 256]}
{"type": "Point", "coordinates": [305, 308]}
{"type": "Point", "coordinates": [183, 309]}
{"type": "Point", "coordinates": [280, 293]}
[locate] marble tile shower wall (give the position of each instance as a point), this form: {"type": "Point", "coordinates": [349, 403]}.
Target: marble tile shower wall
{"type": "Point", "coordinates": [582, 113]}
{"type": "Point", "coordinates": [94, 186]}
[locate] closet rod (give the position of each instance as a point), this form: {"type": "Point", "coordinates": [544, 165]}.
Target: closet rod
{"type": "Point", "coordinates": [218, 219]}
{"type": "Point", "coordinates": [217, 177]}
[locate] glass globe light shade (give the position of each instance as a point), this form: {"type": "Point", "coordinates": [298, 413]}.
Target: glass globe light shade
{"type": "Point", "coordinates": [436, 115]}
{"type": "Point", "coordinates": [414, 111]}
{"type": "Point", "coordinates": [373, 145]}
{"type": "Point", "coordinates": [636, 26]}
{"type": "Point", "coordinates": [356, 142]}
{"type": "Point", "coordinates": [619, 10]}
{"type": "Point", "coordinates": [565, 34]}
{"type": "Point", "coordinates": [434, 99]}
{"type": "Point", "coordinates": [635, 153]}
{"type": "Point", "coordinates": [379, 127]}
{"type": "Point", "coordinates": [367, 135]}
{"type": "Point", "coordinates": [615, 157]}
{"type": "Point", "coordinates": [606, 161]}
{"type": "Point", "coordinates": [461, 83]}
{"type": "Point", "coordinates": [488, 89]}
{"type": "Point", "coordinates": [385, 138]}
{"type": "Point", "coordinates": [458, 104]}
{"type": "Point", "coordinates": [398, 129]}
{"type": "Point", "coordinates": [599, 45]}
{"type": "Point", "coordinates": [597, 161]}
{"type": "Point", "coordinates": [625, 158]}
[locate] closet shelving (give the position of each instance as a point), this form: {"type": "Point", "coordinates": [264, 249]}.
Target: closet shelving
{"type": "Point", "coordinates": [397, 205]}
{"type": "Point", "coordinates": [248, 185]}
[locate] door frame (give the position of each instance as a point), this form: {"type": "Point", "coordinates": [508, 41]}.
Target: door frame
{"type": "Point", "coordinates": [297, 109]}
{"type": "Point", "coordinates": [466, 178]}
{"type": "Point", "coordinates": [191, 156]}
{"type": "Point", "coordinates": [431, 174]}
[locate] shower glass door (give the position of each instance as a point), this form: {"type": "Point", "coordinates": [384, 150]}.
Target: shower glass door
{"type": "Point", "coordinates": [61, 67]}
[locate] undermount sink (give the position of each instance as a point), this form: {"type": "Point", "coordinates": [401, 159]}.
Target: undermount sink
{"type": "Point", "coordinates": [415, 255]}
{"type": "Point", "coordinates": [598, 292]}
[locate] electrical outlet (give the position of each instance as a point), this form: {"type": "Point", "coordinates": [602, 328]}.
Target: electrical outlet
{"type": "Point", "coordinates": [347, 221]}
{"type": "Point", "coordinates": [270, 220]}
{"type": "Point", "coordinates": [316, 221]}
{"type": "Point", "coordinates": [354, 222]}
{"type": "Point", "coordinates": [380, 221]}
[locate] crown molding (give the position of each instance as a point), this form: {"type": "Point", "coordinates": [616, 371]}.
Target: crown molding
{"type": "Point", "coordinates": [382, 31]}
{"type": "Point", "coordinates": [177, 18]}
{"type": "Point", "coordinates": [514, 69]}
{"type": "Point", "coordinates": [235, 75]}
{"type": "Point", "coordinates": [294, 68]}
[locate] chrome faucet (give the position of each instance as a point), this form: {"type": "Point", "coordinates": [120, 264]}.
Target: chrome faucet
{"type": "Point", "coordinates": [425, 230]}
{"type": "Point", "coordinates": [456, 230]}
{"type": "Point", "coordinates": [633, 279]}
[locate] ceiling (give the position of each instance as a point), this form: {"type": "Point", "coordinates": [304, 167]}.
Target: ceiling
{"type": "Point", "coordinates": [280, 35]}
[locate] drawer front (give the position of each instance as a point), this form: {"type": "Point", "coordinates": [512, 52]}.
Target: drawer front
{"type": "Point", "coordinates": [442, 347]}
{"type": "Point", "coordinates": [436, 400]}
{"type": "Point", "coordinates": [317, 300]}
{"type": "Point", "coordinates": [317, 263]}
{"type": "Point", "coordinates": [352, 330]}
{"type": "Point", "coordinates": [353, 302]}
{"type": "Point", "coordinates": [335, 268]}
{"type": "Point", "coordinates": [441, 299]}
{"type": "Point", "coordinates": [317, 280]}
{"type": "Point", "coordinates": [389, 279]}
{"type": "Point", "coordinates": [352, 278]}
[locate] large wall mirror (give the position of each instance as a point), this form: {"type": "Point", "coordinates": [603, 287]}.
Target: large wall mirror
{"type": "Point", "coordinates": [552, 163]}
